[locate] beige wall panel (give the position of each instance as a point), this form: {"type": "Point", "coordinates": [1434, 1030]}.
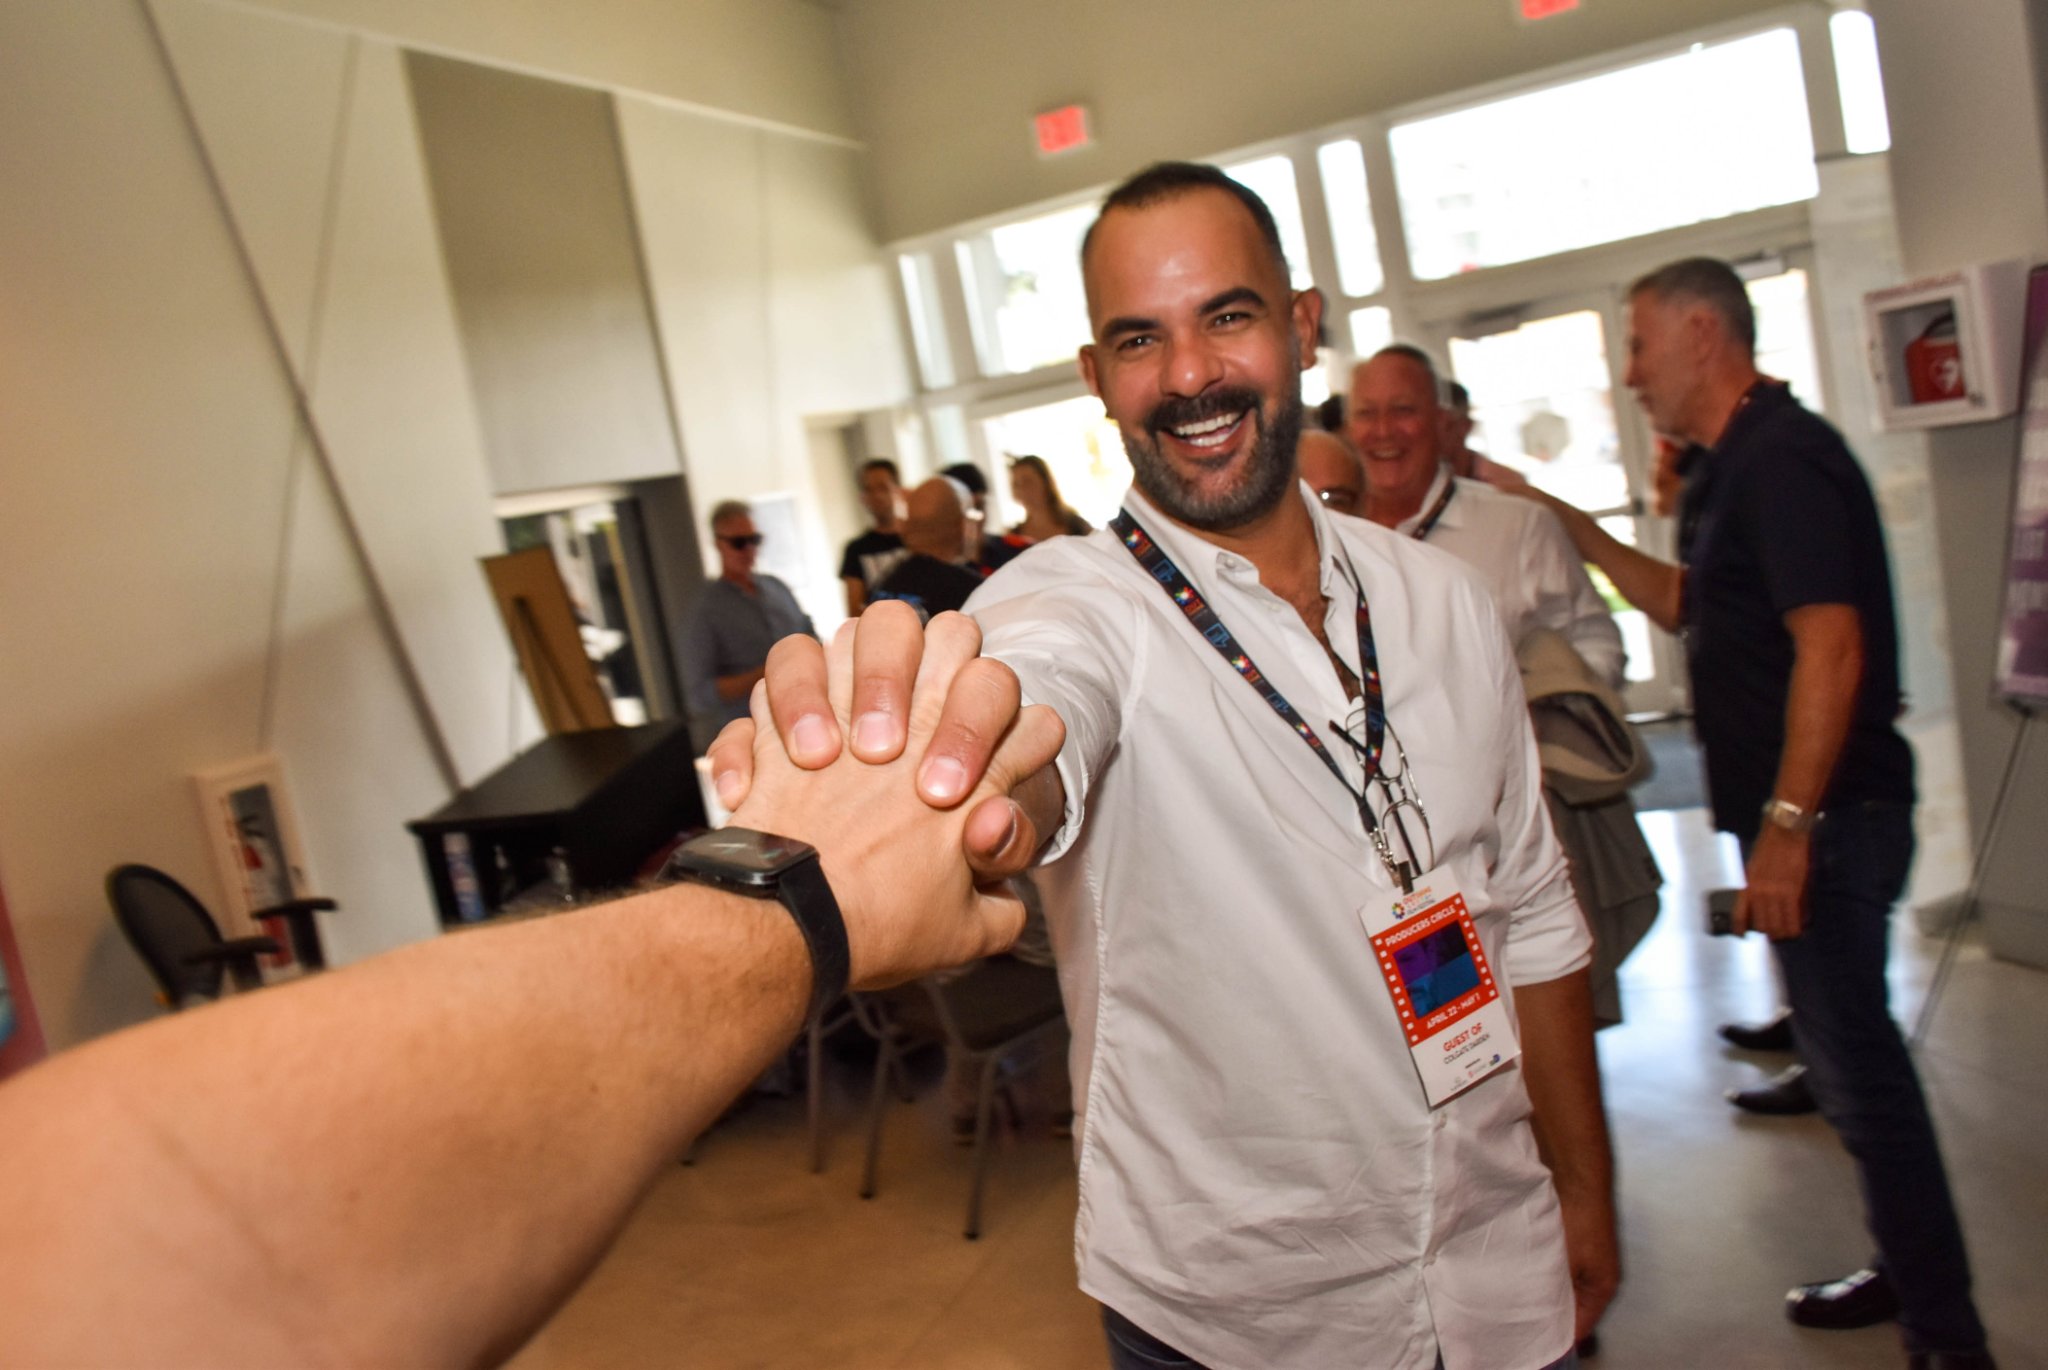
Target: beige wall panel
{"type": "Point", "coordinates": [358, 759]}
{"type": "Point", "coordinates": [536, 227]}
{"type": "Point", "coordinates": [698, 195]}
{"type": "Point", "coordinates": [770, 60]}
{"type": "Point", "coordinates": [312, 134]}
{"type": "Point", "coordinates": [267, 94]}
{"type": "Point", "coordinates": [150, 435]}
{"type": "Point", "coordinates": [773, 304]}
{"type": "Point", "coordinates": [944, 92]}
{"type": "Point", "coordinates": [392, 398]}
{"type": "Point", "coordinates": [838, 344]}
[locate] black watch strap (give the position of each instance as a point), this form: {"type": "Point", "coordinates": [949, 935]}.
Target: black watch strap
{"type": "Point", "coordinates": [807, 895]}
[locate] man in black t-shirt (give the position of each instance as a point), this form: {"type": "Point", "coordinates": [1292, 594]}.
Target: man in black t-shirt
{"type": "Point", "coordinates": [933, 575]}
{"type": "Point", "coordinates": [870, 556]}
{"type": "Point", "coordinates": [1785, 600]}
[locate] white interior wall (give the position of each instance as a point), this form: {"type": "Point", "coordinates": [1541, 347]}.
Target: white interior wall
{"type": "Point", "coordinates": [533, 216]}
{"type": "Point", "coordinates": [172, 507]}
{"type": "Point", "coordinates": [769, 61]}
{"type": "Point", "coordinates": [1969, 165]}
{"type": "Point", "coordinates": [151, 449]}
{"type": "Point", "coordinates": [772, 304]}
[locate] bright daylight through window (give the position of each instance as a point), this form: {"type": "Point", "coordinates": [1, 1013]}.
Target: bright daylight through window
{"type": "Point", "coordinates": [1654, 146]}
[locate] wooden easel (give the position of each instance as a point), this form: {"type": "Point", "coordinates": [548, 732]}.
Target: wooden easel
{"type": "Point", "coordinates": [535, 606]}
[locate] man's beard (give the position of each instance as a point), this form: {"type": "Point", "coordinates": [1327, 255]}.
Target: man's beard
{"type": "Point", "coordinates": [1268, 472]}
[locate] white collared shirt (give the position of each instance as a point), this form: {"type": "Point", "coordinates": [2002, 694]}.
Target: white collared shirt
{"type": "Point", "coordinates": [1527, 560]}
{"type": "Point", "coordinates": [1262, 1182]}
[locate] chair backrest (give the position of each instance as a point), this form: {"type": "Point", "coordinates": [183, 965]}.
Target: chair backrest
{"type": "Point", "coordinates": [165, 923]}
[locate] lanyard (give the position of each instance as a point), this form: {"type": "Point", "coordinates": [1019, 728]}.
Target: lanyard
{"type": "Point", "coordinates": [1175, 584]}
{"type": "Point", "coordinates": [1436, 511]}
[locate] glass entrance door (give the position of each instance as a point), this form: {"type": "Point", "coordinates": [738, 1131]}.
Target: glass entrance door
{"type": "Point", "coordinates": [1543, 381]}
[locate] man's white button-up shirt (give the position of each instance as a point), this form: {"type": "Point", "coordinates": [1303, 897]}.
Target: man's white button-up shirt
{"type": "Point", "coordinates": [1527, 560]}
{"type": "Point", "coordinates": [1262, 1182]}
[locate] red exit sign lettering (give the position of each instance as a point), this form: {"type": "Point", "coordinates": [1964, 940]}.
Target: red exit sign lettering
{"type": "Point", "coordinates": [1061, 130]}
{"type": "Point", "coordinates": [1544, 9]}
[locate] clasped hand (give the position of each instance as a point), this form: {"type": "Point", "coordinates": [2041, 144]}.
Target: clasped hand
{"type": "Point", "coordinates": [917, 821]}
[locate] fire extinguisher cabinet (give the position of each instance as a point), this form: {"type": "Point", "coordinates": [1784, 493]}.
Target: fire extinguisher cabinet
{"type": "Point", "coordinates": [1946, 349]}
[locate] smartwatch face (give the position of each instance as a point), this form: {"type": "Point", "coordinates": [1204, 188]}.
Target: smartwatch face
{"type": "Point", "coordinates": [742, 855]}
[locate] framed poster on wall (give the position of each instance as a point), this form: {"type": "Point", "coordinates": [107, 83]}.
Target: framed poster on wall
{"type": "Point", "coordinates": [2023, 631]}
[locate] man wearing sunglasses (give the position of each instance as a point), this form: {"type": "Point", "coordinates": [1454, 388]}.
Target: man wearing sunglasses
{"type": "Point", "coordinates": [731, 624]}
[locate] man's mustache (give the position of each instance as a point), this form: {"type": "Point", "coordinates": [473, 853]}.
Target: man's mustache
{"type": "Point", "coordinates": [1181, 410]}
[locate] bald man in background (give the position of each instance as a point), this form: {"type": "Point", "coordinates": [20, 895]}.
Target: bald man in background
{"type": "Point", "coordinates": [935, 576]}
{"type": "Point", "coordinates": [1333, 470]}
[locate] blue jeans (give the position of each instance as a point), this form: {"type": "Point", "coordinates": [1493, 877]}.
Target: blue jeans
{"type": "Point", "coordinates": [1131, 1347]}
{"type": "Point", "coordinates": [1862, 1076]}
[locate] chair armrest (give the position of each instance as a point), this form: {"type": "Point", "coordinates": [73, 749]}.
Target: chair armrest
{"type": "Point", "coordinates": [296, 906]}
{"type": "Point", "coordinates": [233, 949]}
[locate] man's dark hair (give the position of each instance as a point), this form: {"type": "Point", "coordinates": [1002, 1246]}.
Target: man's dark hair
{"type": "Point", "coordinates": [1169, 180]}
{"type": "Point", "coordinates": [881, 464]}
{"type": "Point", "coordinates": [1410, 352]}
{"type": "Point", "coordinates": [1708, 281]}
{"type": "Point", "coordinates": [969, 475]}
{"type": "Point", "coordinates": [1461, 398]}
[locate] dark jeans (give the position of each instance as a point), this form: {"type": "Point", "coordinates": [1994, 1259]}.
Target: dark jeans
{"type": "Point", "coordinates": [1862, 1076]}
{"type": "Point", "coordinates": [1131, 1347]}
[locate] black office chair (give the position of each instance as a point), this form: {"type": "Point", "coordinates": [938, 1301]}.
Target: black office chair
{"type": "Point", "coordinates": [182, 946]}
{"type": "Point", "coordinates": [984, 1015]}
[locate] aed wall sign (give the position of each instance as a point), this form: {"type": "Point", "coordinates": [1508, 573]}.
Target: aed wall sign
{"type": "Point", "coordinates": [1545, 9]}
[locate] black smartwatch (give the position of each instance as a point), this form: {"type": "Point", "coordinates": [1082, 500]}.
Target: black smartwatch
{"type": "Point", "coordinates": [761, 865]}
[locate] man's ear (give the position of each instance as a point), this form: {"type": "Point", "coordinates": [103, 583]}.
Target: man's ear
{"type": "Point", "coordinates": [1308, 324]}
{"type": "Point", "coordinates": [1086, 361]}
{"type": "Point", "coordinates": [1703, 330]}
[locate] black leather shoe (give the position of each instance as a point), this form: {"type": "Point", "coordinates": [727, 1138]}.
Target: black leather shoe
{"type": "Point", "coordinates": [1951, 1360]}
{"type": "Point", "coordinates": [1782, 1096]}
{"type": "Point", "coordinates": [1863, 1299]}
{"type": "Point", "coordinates": [1775, 1035]}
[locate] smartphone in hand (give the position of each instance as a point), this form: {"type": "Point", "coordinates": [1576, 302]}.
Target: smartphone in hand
{"type": "Point", "coordinates": [1721, 912]}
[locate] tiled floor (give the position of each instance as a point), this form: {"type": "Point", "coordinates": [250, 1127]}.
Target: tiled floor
{"type": "Point", "coordinates": [746, 1259]}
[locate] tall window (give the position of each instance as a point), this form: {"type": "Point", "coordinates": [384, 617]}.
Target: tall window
{"type": "Point", "coordinates": [1714, 131]}
{"type": "Point", "coordinates": [1024, 290]}
{"type": "Point", "coordinates": [1854, 39]}
{"type": "Point", "coordinates": [1342, 166]}
{"type": "Point", "coordinates": [1272, 180]}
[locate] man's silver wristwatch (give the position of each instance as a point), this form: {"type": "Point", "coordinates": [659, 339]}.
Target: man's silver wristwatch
{"type": "Point", "coordinates": [1783, 813]}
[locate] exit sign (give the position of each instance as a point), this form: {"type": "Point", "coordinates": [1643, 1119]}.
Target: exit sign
{"type": "Point", "coordinates": [1061, 130]}
{"type": "Point", "coordinates": [1544, 9]}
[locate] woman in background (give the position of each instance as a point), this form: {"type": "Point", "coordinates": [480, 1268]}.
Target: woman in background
{"type": "Point", "coordinates": [1046, 515]}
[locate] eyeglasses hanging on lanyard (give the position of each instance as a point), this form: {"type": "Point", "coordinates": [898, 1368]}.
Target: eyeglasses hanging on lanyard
{"type": "Point", "coordinates": [1400, 790]}
{"type": "Point", "coordinates": [1394, 781]}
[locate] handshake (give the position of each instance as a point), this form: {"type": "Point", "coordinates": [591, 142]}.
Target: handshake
{"type": "Point", "coordinates": [904, 757]}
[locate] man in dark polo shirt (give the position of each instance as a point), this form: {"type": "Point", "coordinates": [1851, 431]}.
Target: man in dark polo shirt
{"type": "Point", "coordinates": [1785, 600]}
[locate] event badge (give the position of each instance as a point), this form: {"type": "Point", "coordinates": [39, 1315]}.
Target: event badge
{"type": "Point", "coordinates": [1442, 985]}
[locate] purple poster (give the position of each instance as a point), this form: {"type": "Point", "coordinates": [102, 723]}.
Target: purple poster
{"type": "Point", "coordinates": [2023, 640]}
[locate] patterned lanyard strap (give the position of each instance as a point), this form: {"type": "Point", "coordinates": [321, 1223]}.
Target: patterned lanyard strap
{"type": "Point", "coordinates": [1436, 511]}
{"type": "Point", "coordinates": [1153, 558]}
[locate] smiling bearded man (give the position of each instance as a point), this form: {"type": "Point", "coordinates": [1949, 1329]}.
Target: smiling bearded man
{"type": "Point", "coordinates": [1213, 417]}
{"type": "Point", "coordinates": [1274, 1169]}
